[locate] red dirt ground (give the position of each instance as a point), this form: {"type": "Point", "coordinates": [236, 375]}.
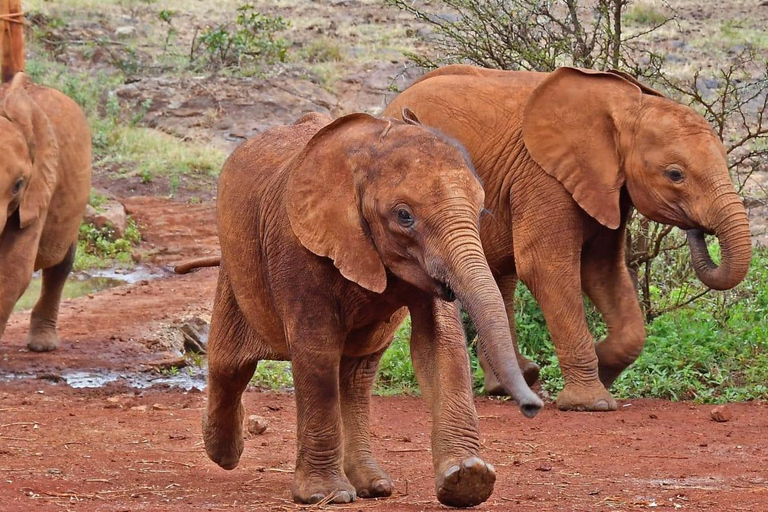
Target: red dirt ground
{"type": "Point", "coordinates": [120, 449]}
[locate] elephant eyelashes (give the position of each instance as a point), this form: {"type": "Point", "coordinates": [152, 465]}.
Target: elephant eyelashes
{"type": "Point", "coordinates": [404, 218]}
{"type": "Point", "coordinates": [17, 186]}
{"type": "Point", "coordinates": [675, 175]}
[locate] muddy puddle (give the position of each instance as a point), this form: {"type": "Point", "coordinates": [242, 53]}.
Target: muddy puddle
{"type": "Point", "coordinates": [86, 283]}
{"type": "Point", "coordinates": [182, 378]}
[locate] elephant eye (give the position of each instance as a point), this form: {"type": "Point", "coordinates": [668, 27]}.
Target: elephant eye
{"type": "Point", "coordinates": [404, 218]}
{"type": "Point", "coordinates": [17, 186]}
{"type": "Point", "coordinates": [675, 175]}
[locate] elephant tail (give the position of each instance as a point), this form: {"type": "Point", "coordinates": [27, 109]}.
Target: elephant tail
{"type": "Point", "coordinates": [188, 266]}
{"type": "Point", "coordinates": [11, 39]}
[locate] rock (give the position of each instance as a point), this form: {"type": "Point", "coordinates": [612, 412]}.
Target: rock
{"type": "Point", "coordinates": [140, 408]}
{"type": "Point", "coordinates": [167, 364]}
{"type": "Point", "coordinates": [257, 425]}
{"type": "Point", "coordinates": [110, 214]}
{"type": "Point", "coordinates": [125, 31]}
{"type": "Point", "coordinates": [721, 413]}
{"type": "Point", "coordinates": [90, 214]}
{"type": "Point", "coordinates": [195, 331]}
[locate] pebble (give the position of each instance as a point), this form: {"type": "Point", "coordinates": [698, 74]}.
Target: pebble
{"type": "Point", "coordinates": [721, 413]}
{"type": "Point", "coordinates": [257, 425]}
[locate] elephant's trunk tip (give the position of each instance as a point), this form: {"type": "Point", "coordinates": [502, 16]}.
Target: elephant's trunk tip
{"type": "Point", "coordinates": [531, 407]}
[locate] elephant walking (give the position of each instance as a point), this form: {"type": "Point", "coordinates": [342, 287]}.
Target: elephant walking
{"type": "Point", "coordinates": [328, 232]}
{"type": "Point", "coordinates": [563, 157]}
{"type": "Point", "coordinates": [45, 181]}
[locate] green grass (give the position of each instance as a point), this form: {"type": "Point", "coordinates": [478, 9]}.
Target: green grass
{"type": "Point", "coordinates": [644, 14]}
{"type": "Point", "coordinates": [97, 248]}
{"type": "Point", "coordinates": [275, 375]}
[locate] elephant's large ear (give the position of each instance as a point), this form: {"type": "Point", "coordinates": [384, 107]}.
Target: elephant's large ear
{"type": "Point", "coordinates": [571, 128]}
{"type": "Point", "coordinates": [41, 143]}
{"type": "Point", "coordinates": [629, 78]}
{"type": "Point", "coordinates": [324, 205]}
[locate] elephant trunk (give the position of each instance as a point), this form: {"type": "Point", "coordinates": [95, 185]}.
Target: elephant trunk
{"type": "Point", "coordinates": [470, 278]}
{"type": "Point", "coordinates": [732, 231]}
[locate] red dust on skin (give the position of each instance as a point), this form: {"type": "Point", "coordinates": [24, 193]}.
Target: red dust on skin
{"type": "Point", "coordinates": [117, 448]}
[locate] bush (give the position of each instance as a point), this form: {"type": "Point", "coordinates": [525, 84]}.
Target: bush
{"type": "Point", "coordinates": [98, 248]}
{"type": "Point", "coordinates": [252, 38]}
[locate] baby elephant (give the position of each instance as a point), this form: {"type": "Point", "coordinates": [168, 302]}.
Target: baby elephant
{"type": "Point", "coordinates": [328, 233]}
{"type": "Point", "coordinates": [45, 179]}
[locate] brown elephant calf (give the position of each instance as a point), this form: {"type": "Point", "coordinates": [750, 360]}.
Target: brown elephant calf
{"type": "Point", "coordinates": [328, 232]}
{"type": "Point", "coordinates": [45, 180]}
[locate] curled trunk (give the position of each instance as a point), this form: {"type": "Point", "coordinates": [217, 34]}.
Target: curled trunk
{"type": "Point", "coordinates": [732, 232]}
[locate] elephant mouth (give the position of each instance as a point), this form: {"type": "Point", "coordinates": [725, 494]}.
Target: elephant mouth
{"type": "Point", "coordinates": [445, 292]}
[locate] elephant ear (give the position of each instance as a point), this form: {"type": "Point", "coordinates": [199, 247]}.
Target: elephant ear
{"type": "Point", "coordinates": [324, 205]}
{"type": "Point", "coordinates": [43, 149]}
{"type": "Point", "coordinates": [571, 128]}
{"type": "Point", "coordinates": [629, 78]}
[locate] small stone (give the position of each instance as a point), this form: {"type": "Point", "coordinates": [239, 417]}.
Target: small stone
{"type": "Point", "coordinates": [125, 31]}
{"type": "Point", "coordinates": [140, 408]}
{"type": "Point", "coordinates": [653, 416]}
{"type": "Point", "coordinates": [257, 425]}
{"type": "Point", "coordinates": [160, 407]}
{"type": "Point", "coordinates": [721, 413]}
{"type": "Point", "coordinates": [544, 467]}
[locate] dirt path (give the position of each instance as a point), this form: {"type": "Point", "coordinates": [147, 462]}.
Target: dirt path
{"type": "Point", "coordinates": [117, 448]}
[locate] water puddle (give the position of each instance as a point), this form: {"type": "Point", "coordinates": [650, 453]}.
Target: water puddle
{"type": "Point", "coordinates": [183, 378]}
{"type": "Point", "coordinates": [85, 283]}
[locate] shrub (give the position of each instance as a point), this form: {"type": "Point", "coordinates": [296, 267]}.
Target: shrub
{"type": "Point", "coordinates": [252, 38]}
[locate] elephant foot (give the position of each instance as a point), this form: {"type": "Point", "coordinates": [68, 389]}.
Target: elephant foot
{"type": "Point", "coordinates": [595, 397]}
{"type": "Point", "coordinates": [224, 440]}
{"type": "Point", "coordinates": [43, 341]}
{"type": "Point", "coordinates": [466, 484]}
{"type": "Point", "coordinates": [530, 373]}
{"type": "Point", "coordinates": [311, 490]}
{"type": "Point", "coordinates": [369, 480]}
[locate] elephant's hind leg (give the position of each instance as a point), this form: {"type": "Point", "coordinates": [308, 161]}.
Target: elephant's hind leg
{"type": "Point", "coordinates": [606, 280]}
{"type": "Point", "coordinates": [507, 285]}
{"type": "Point", "coordinates": [42, 335]}
{"type": "Point", "coordinates": [231, 363]}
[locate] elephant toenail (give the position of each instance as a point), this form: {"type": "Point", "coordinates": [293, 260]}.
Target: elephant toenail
{"type": "Point", "coordinates": [382, 487]}
{"type": "Point", "coordinates": [451, 471]}
{"type": "Point", "coordinates": [472, 462]}
{"type": "Point", "coordinates": [316, 498]}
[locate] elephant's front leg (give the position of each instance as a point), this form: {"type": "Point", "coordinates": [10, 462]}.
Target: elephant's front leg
{"type": "Point", "coordinates": [356, 380]}
{"type": "Point", "coordinates": [315, 354]}
{"type": "Point", "coordinates": [440, 359]}
{"type": "Point", "coordinates": [18, 250]}
{"type": "Point", "coordinates": [606, 280]}
{"type": "Point", "coordinates": [556, 285]}
{"type": "Point", "coordinates": [507, 285]}
{"type": "Point", "coordinates": [42, 335]}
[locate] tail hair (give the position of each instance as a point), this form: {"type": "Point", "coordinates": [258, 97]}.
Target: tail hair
{"type": "Point", "coordinates": [11, 38]}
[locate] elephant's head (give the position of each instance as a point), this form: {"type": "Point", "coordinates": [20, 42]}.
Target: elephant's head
{"type": "Point", "coordinates": [30, 156]}
{"type": "Point", "coordinates": [385, 198]}
{"type": "Point", "coordinates": [599, 132]}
